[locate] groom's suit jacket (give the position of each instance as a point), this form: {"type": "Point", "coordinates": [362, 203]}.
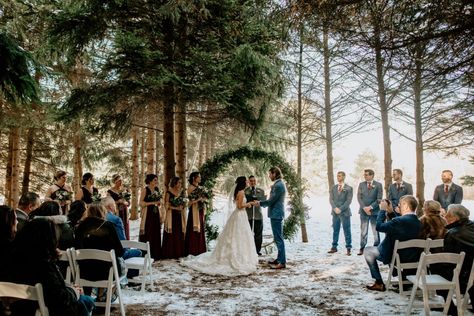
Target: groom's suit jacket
{"type": "Point", "coordinates": [454, 195]}
{"type": "Point", "coordinates": [275, 204]}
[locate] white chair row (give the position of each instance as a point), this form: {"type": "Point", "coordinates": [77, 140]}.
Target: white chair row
{"type": "Point", "coordinates": [10, 292]}
{"type": "Point", "coordinates": [424, 245]}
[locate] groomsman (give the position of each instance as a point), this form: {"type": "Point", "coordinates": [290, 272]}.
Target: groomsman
{"type": "Point", "coordinates": [448, 192]}
{"type": "Point", "coordinates": [340, 198]}
{"type": "Point", "coordinates": [398, 189]}
{"type": "Point", "coordinates": [254, 213]}
{"type": "Point", "coordinates": [369, 195]}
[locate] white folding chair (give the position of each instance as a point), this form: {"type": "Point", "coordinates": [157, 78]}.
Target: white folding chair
{"type": "Point", "coordinates": [432, 282]}
{"type": "Point", "coordinates": [111, 283]}
{"type": "Point", "coordinates": [24, 292]}
{"type": "Point", "coordinates": [400, 266]}
{"type": "Point", "coordinates": [470, 283]}
{"type": "Point", "coordinates": [66, 256]}
{"type": "Point", "coordinates": [143, 264]}
{"type": "Point", "coordinates": [433, 244]}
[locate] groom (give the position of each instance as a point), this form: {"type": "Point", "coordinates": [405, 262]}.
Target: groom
{"type": "Point", "coordinates": [276, 213]}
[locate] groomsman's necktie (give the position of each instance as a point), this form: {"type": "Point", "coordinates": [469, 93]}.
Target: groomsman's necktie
{"type": "Point", "coordinates": [446, 188]}
{"type": "Point", "coordinates": [339, 188]}
{"type": "Point", "coordinates": [369, 185]}
{"type": "Point", "coordinates": [398, 186]}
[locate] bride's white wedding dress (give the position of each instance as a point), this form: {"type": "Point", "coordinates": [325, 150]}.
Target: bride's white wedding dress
{"type": "Point", "coordinates": [235, 252]}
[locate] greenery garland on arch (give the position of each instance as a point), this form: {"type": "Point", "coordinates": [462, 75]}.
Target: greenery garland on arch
{"type": "Point", "coordinates": [215, 166]}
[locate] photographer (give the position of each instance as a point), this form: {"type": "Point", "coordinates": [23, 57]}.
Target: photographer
{"type": "Point", "coordinates": [253, 193]}
{"type": "Point", "coordinates": [402, 228]}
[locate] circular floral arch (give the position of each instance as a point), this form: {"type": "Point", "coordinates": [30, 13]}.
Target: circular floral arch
{"type": "Point", "coordinates": [216, 165]}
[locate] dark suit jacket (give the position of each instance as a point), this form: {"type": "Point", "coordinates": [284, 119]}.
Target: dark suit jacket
{"type": "Point", "coordinates": [454, 195]}
{"type": "Point", "coordinates": [368, 197]}
{"type": "Point", "coordinates": [342, 199]}
{"type": "Point", "coordinates": [394, 195]}
{"type": "Point", "coordinates": [400, 228]}
{"type": "Point", "coordinates": [260, 196]}
{"type": "Point", "coordinates": [22, 218]}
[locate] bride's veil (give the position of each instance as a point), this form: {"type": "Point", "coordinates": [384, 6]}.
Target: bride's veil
{"type": "Point", "coordinates": [230, 207]}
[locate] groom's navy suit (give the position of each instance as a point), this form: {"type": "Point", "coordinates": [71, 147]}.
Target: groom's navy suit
{"type": "Point", "coordinates": [276, 213]}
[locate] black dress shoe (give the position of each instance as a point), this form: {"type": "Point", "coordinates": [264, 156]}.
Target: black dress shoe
{"type": "Point", "coordinates": [361, 252]}
{"type": "Point", "coordinates": [273, 262]}
{"type": "Point", "coordinates": [348, 252]}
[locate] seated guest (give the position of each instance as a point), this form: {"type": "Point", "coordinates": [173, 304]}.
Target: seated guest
{"type": "Point", "coordinates": [112, 217]}
{"type": "Point", "coordinates": [8, 228]}
{"type": "Point", "coordinates": [29, 202]}
{"type": "Point", "coordinates": [460, 237]}
{"type": "Point", "coordinates": [33, 260]}
{"type": "Point", "coordinates": [402, 228]}
{"type": "Point", "coordinates": [52, 210]}
{"type": "Point", "coordinates": [432, 224]}
{"type": "Point", "coordinates": [94, 232]}
{"type": "Point", "coordinates": [76, 211]}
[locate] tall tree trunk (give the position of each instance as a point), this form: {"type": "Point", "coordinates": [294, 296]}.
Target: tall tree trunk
{"type": "Point", "coordinates": [15, 175]}
{"type": "Point", "coordinates": [77, 158]}
{"type": "Point", "coordinates": [142, 136]}
{"type": "Point", "coordinates": [8, 171]}
{"type": "Point", "coordinates": [159, 146]}
{"type": "Point", "coordinates": [150, 147]}
{"type": "Point", "coordinates": [304, 233]}
{"type": "Point", "coordinates": [328, 110]}
{"type": "Point", "coordinates": [30, 141]}
{"type": "Point", "coordinates": [201, 147]}
{"type": "Point", "coordinates": [168, 140]}
{"type": "Point", "coordinates": [181, 154]}
{"type": "Point", "coordinates": [420, 177]}
{"type": "Point", "coordinates": [135, 181]}
{"type": "Point", "coordinates": [383, 109]}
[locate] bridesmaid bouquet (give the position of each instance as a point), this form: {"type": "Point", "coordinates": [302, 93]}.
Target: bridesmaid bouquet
{"type": "Point", "coordinates": [201, 192]}
{"type": "Point", "coordinates": [125, 195]}
{"type": "Point", "coordinates": [63, 196]}
{"type": "Point", "coordinates": [96, 197]}
{"type": "Point", "coordinates": [155, 196]}
{"type": "Point", "coordinates": [179, 200]}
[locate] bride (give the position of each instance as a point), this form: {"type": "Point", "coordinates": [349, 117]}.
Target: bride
{"type": "Point", "coordinates": [235, 252]}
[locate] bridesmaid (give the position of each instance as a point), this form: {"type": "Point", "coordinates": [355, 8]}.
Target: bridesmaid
{"type": "Point", "coordinates": [60, 191]}
{"type": "Point", "coordinates": [175, 222]}
{"type": "Point", "coordinates": [117, 193]}
{"type": "Point", "coordinates": [87, 189]}
{"type": "Point", "coordinates": [195, 241]}
{"type": "Point", "coordinates": [150, 226]}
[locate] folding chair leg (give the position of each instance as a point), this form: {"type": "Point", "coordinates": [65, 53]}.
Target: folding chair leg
{"type": "Point", "coordinates": [108, 302]}
{"type": "Point", "coordinates": [459, 301]}
{"type": "Point", "coordinates": [449, 298]}
{"type": "Point", "coordinates": [426, 301]}
{"type": "Point", "coordinates": [412, 299]}
{"type": "Point", "coordinates": [389, 280]}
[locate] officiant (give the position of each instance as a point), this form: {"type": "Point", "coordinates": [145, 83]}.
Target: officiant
{"type": "Point", "coordinates": [254, 213]}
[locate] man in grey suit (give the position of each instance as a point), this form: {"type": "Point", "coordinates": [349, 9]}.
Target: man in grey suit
{"type": "Point", "coordinates": [448, 192]}
{"type": "Point", "coordinates": [276, 212]}
{"type": "Point", "coordinates": [398, 189]}
{"type": "Point", "coordinates": [340, 198]}
{"type": "Point", "coordinates": [254, 214]}
{"type": "Point", "coordinates": [369, 195]}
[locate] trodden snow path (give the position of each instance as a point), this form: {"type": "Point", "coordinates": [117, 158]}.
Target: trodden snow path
{"type": "Point", "coordinates": [314, 283]}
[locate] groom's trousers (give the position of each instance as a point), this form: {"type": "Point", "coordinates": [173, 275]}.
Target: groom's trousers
{"type": "Point", "coordinates": [277, 229]}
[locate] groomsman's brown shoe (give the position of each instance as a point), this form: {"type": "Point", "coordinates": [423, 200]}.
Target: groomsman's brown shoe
{"type": "Point", "coordinates": [361, 252]}
{"type": "Point", "coordinates": [376, 287]}
{"type": "Point", "coordinates": [273, 262]}
{"type": "Point", "coordinates": [348, 252]}
{"type": "Point", "coordinates": [278, 266]}
{"type": "Point", "coordinates": [332, 250]}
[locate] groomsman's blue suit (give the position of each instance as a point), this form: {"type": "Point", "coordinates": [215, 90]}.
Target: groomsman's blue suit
{"type": "Point", "coordinates": [372, 198]}
{"type": "Point", "coordinates": [342, 200]}
{"type": "Point", "coordinates": [453, 196]}
{"type": "Point", "coordinates": [395, 192]}
{"type": "Point", "coordinates": [276, 213]}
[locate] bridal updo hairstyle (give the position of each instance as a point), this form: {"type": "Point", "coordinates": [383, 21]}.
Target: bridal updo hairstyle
{"type": "Point", "coordinates": [241, 183]}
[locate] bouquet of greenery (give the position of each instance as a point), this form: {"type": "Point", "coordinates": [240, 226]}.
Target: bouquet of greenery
{"type": "Point", "coordinates": [125, 195]}
{"type": "Point", "coordinates": [96, 197]}
{"type": "Point", "coordinates": [200, 192]}
{"type": "Point", "coordinates": [155, 196]}
{"type": "Point", "coordinates": [179, 200]}
{"type": "Point", "coordinates": [63, 196]}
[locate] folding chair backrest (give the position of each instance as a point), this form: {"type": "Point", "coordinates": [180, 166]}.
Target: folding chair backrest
{"type": "Point", "coordinates": [70, 271]}
{"type": "Point", "coordinates": [25, 292]}
{"type": "Point", "coordinates": [135, 244]}
{"type": "Point", "coordinates": [94, 254]}
{"type": "Point", "coordinates": [433, 244]}
{"type": "Point", "coordinates": [412, 243]}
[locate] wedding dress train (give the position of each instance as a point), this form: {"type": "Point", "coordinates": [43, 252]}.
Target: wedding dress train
{"type": "Point", "coordinates": [235, 252]}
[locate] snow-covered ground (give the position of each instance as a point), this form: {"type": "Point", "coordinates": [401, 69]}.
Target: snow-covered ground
{"type": "Point", "coordinates": [314, 283]}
